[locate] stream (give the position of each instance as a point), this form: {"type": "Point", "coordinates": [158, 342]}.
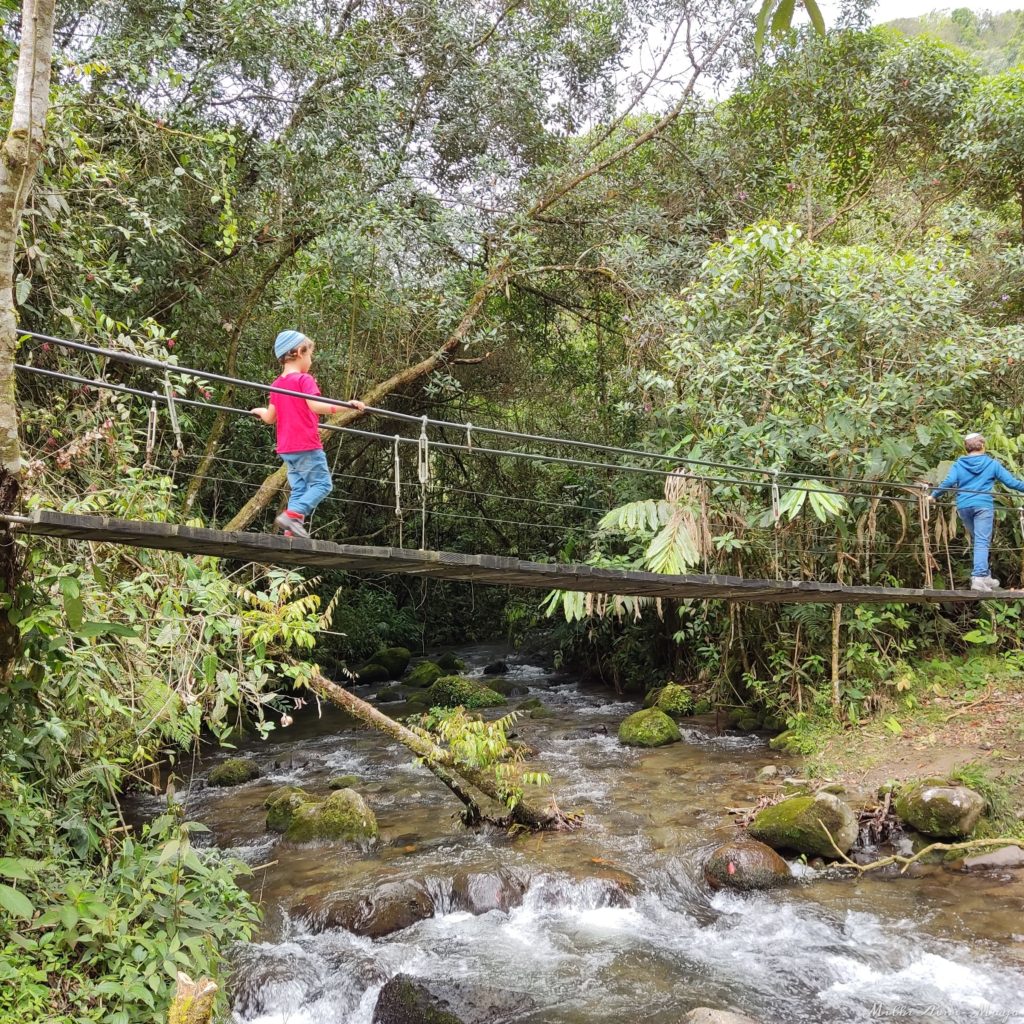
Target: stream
{"type": "Point", "coordinates": [612, 923]}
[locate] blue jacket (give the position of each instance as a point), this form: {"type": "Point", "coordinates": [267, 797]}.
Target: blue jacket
{"type": "Point", "coordinates": [976, 474]}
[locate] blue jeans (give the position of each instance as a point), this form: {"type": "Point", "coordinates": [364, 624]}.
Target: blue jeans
{"type": "Point", "coordinates": [308, 478]}
{"type": "Point", "coordinates": [979, 528]}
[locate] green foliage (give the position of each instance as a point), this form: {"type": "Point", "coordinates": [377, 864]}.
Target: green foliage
{"type": "Point", "coordinates": [115, 932]}
{"type": "Point", "coordinates": [485, 746]}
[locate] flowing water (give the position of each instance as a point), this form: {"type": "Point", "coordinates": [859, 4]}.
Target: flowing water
{"type": "Point", "coordinates": [611, 923]}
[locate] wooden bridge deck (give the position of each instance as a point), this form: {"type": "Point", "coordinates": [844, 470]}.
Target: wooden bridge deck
{"type": "Point", "coordinates": [272, 549]}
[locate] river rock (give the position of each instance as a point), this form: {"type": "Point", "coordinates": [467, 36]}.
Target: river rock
{"type": "Point", "coordinates": [234, 771]}
{"type": "Point", "coordinates": [648, 728]}
{"type": "Point", "coordinates": [788, 742]}
{"type": "Point", "coordinates": [1004, 857]}
{"type": "Point", "coordinates": [586, 733]}
{"type": "Point", "coordinates": [408, 1000]}
{"type": "Point", "coordinates": [705, 1015]}
{"type": "Point", "coordinates": [508, 687]}
{"type": "Point", "coordinates": [387, 908]}
{"type": "Point", "coordinates": [343, 815]}
{"type": "Point", "coordinates": [767, 773]}
{"type": "Point", "coordinates": [387, 664]}
{"type": "Point", "coordinates": [496, 668]}
{"type": "Point", "coordinates": [343, 781]}
{"type": "Point", "coordinates": [282, 804]}
{"type": "Point", "coordinates": [423, 675]}
{"type": "Point", "coordinates": [673, 699]}
{"type": "Point", "coordinates": [796, 824]}
{"type": "Point", "coordinates": [452, 691]}
{"type": "Point", "coordinates": [940, 810]}
{"type": "Point", "coordinates": [389, 694]}
{"type": "Point", "coordinates": [745, 864]}
{"type": "Point", "coordinates": [481, 891]}
{"type": "Point", "coordinates": [450, 662]}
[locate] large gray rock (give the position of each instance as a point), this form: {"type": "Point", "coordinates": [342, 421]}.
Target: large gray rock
{"type": "Point", "coordinates": [946, 812]}
{"type": "Point", "coordinates": [800, 823]}
{"type": "Point", "coordinates": [481, 891]}
{"type": "Point", "coordinates": [408, 1000]}
{"type": "Point", "coordinates": [704, 1015]}
{"type": "Point", "coordinates": [745, 864]}
{"type": "Point", "coordinates": [387, 908]}
{"type": "Point", "coordinates": [1004, 857]}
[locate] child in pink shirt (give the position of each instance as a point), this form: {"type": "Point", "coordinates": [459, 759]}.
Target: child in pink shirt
{"type": "Point", "coordinates": [298, 431]}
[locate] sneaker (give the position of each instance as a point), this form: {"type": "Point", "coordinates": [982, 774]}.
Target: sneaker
{"type": "Point", "coordinates": [993, 583]}
{"type": "Point", "coordinates": [981, 583]}
{"type": "Point", "coordinates": [290, 526]}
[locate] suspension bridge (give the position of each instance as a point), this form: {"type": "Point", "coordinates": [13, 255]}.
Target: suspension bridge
{"type": "Point", "coordinates": [318, 554]}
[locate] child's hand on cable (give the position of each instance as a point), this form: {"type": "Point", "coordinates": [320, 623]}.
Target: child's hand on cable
{"type": "Point", "coordinates": [262, 413]}
{"type": "Point", "coordinates": [354, 403]}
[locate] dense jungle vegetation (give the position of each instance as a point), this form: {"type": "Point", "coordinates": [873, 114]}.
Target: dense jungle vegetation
{"type": "Point", "coordinates": [814, 264]}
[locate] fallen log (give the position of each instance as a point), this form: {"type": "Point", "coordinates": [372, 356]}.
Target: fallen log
{"type": "Point", "coordinates": [526, 813]}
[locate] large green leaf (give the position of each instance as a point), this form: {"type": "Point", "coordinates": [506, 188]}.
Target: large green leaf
{"type": "Point", "coordinates": [16, 904]}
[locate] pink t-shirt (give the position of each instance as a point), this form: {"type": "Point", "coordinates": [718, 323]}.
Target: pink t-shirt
{"type": "Point", "coordinates": [298, 427]}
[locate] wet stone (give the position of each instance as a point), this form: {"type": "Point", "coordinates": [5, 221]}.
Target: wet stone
{"type": "Point", "coordinates": [745, 865]}
{"type": "Point", "coordinates": [234, 771]}
{"type": "Point", "coordinates": [767, 773]}
{"type": "Point", "coordinates": [496, 668]}
{"type": "Point", "coordinates": [649, 728]}
{"type": "Point", "coordinates": [704, 1015]}
{"type": "Point", "coordinates": [408, 1000]}
{"type": "Point", "coordinates": [388, 907]}
{"type": "Point", "coordinates": [1004, 857]}
{"type": "Point", "coordinates": [479, 892]}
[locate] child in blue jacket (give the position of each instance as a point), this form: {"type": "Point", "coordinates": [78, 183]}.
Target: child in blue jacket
{"type": "Point", "coordinates": [973, 476]}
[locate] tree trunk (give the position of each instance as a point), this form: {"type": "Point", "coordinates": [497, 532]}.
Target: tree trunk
{"type": "Point", "coordinates": [273, 483]}
{"type": "Point", "coordinates": [193, 1001]}
{"type": "Point", "coordinates": [525, 813]}
{"type": "Point", "coordinates": [19, 158]}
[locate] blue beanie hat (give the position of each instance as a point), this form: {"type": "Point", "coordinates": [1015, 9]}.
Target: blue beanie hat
{"type": "Point", "coordinates": [286, 341]}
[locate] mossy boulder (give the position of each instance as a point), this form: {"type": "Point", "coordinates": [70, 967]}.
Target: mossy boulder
{"type": "Point", "coordinates": [389, 694]}
{"type": "Point", "coordinates": [343, 815]}
{"type": "Point", "coordinates": [673, 699]}
{"type": "Point", "coordinates": [508, 687]}
{"type": "Point", "coordinates": [343, 781]}
{"type": "Point", "coordinates": [530, 704]}
{"type": "Point", "coordinates": [703, 707]}
{"type": "Point", "coordinates": [452, 691]}
{"type": "Point", "coordinates": [391, 661]}
{"type": "Point", "coordinates": [425, 674]}
{"type": "Point", "coordinates": [797, 824]}
{"type": "Point", "coordinates": [747, 723]}
{"type": "Point", "coordinates": [282, 804]}
{"type": "Point", "coordinates": [406, 1000]}
{"type": "Point", "coordinates": [649, 728]}
{"type": "Point", "coordinates": [450, 663]}
{"type": "Point", "coordinates": [234, 771]}
{"type": "Point", "coordinates": [542, 712]}
{"type": "Point", "coordinates": [940, 810]}
{"type": "Point", "coordinates": [745, 864]}
{"type": "Point", "coordinates": [788, 742]}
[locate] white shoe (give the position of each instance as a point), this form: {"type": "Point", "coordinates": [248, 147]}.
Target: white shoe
{"type": "Point", "coordinates": [993, 583]}
{"type": "Point", "coordinates": [981, 584]}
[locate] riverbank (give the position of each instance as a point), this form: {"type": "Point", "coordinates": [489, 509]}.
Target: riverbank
{"type": "Point", "coordinates": [942, 718]}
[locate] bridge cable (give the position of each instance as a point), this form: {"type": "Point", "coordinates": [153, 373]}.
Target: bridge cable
{"type": "Point", "coordinates": [163, 366]}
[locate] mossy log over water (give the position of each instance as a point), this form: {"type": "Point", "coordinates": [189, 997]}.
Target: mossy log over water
{"type": "Point", "coordinates": [440, 761]}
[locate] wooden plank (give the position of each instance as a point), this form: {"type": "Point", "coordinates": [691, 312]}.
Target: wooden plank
{"type": "Point", "coordinates": [493, 570]}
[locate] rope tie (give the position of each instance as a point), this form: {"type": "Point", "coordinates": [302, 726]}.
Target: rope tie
{"type": "Point", "coordinates": [173, 410]}
{"type": "Point", "coordinates": [398, 490]}
{"type": "Point", "coordinates": [924, 513]}
{"type": "Point", "coordinates": [151, 432]}
{"type": "Point", "coordinates": [776, 498]}
{"type": "Point", "coordinates": [469, 436]}
{"type": "Point", "coordinates": [423, 472]}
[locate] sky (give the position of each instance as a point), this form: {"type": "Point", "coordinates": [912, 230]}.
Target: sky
{"type": "Point", "coordinates": [888, 10]}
